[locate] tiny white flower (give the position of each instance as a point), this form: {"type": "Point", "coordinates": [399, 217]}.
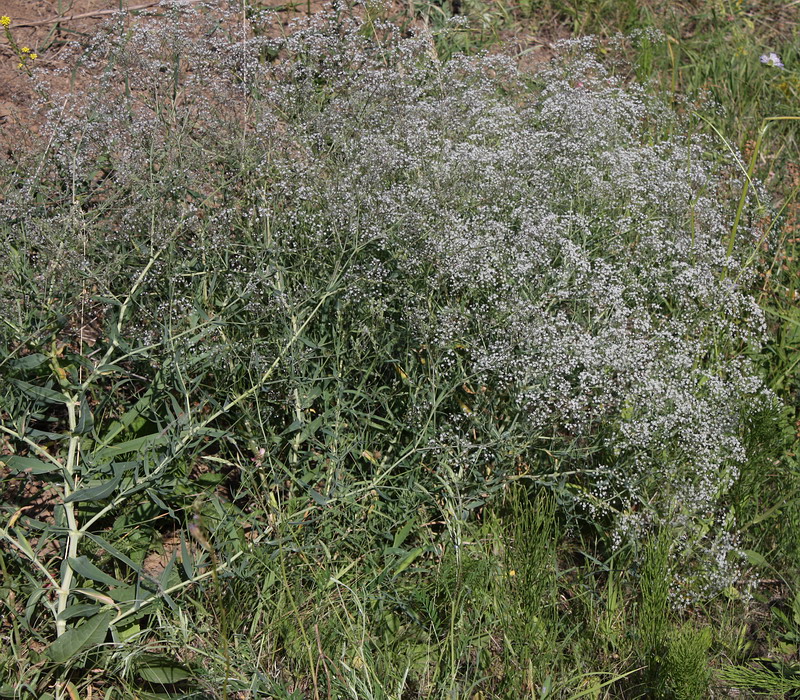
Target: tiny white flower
{"type": "Point", "coordinates": [772, 59]}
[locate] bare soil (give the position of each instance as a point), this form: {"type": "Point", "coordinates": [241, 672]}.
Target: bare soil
{"type": "Point", "coordinates": [48, 27]}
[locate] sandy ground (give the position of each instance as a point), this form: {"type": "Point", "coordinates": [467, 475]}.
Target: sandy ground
{"type": "Point", "coordinates": [34, 25]}
{"type": "Point", "coordinates": [47, 27]}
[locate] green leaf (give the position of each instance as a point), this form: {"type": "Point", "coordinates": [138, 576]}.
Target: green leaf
{"type": "Point", "coordinates": [123, 633]}
{"type": "Point", "coordinates": [403, 533]}
{"type": "Point", "coordinates": [114, 552]}
{"type": "Point", "coordinates": [79, 610]}
{"type": "Point", "coordinates": [407, 560]}
{"type": "Point", "coordinates": [166, 578]}
{"type": "Point", "coordinates": [29, 361]}
{"type": "Point", "coordinates": [211, 478]}
{"type": "Point", "coordinates": [136, 445]}
{"type": "Point", "coordinates": [36, 466]}
{"type": "Point", "coordinates": [23, 543]}
{"type": "Point", "coordinates": [111, 301]}
{"type": "Point", "coordinates": [82, 566]}
{"type": "Point", "coordinates": [94, 493]}
{"type": "Point", "coordinates": [317, 497]}
{"type": "Point", "coordinates": [162, 670]}
{"type": "Point", "coordinates": [111, 369]}
{"type": "Point", "coordinates": [35, 434]}
{"type": "Point", "coordinates": [86, 420]}
{"type": "Point", "coordinates": [755, 558]}
{"type": "Point", "coordinates": [295, 426]}
{"type": "Point", "coordinates": [75, 640]}
{"type": "Point", "coordinates": [39, 392]}
{"type": "Point", "coordinates": [130, 416]}
{"type": "Point", "coordinates": [30, 605]}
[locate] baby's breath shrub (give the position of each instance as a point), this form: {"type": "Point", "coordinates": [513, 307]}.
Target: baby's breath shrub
{"type": "Point", "coordinates": [479, 273]}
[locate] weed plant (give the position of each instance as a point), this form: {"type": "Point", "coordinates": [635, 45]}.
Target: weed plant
{"type": "Point", "coordinates": [293, 312]}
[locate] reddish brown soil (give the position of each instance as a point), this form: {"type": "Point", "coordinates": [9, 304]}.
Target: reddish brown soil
{"type": "Point", "coordinates": [46, 40]}
{"type": "Point", "coordinates": [47, 27]}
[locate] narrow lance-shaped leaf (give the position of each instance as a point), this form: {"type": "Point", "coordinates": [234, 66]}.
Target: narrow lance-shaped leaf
{"type": "Point", "coordinates": [85, 420]}
{"type": "Point", "coordinates": [21, 464]}
{"type": "Point", "coordinates": [82, 566]}
{"type": "Point", "coordinates": [94, 493]}
{"type": "Point", "coordinates": [39, 392]}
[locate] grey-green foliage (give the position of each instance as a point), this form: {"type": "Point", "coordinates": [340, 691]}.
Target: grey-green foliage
{"type": "Point", "coordinates": [387, 274]}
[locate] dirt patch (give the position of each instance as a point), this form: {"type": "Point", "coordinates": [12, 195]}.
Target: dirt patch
{"type": "Point", "coordinates": [48, 28]}
{"type": "Point", "coordinates": [32, 27]}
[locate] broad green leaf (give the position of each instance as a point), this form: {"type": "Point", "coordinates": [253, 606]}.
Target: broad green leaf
{"type": "Point", "coordinates": [75, 640]}
{"type": "Point", "coordinates": [79, 610]}
{"type": "Point", "coordinates": [35, 434]}
{"type": "Point", "coordinates": [82, 566]}
{"type": "Point", "coordinates": [407, 560]}
{"type": "Point", "coordinates": [755, 558]}
{"type": "Point", "coordinates": [211, 478]}
{"type": "Point", "coordinates": [94, 493]}
{"type": "Point", "coordinates": [123, 633]}
{"type": "Point", "coordinates": [39, 392]}
{"type": "Point", "coordinates": [162, 670]}
{"type": "Point", "coordinates": [36, 466]}
{"type": "Point", "coordinates": [403, 533]}
{"type": "Point", "coordinates": [29, 361]}
{"type": "Point", "coordinates": [125, 594]}
{"type": "Point", "coordinates": [136, 445]}
{"type": "Point", "coordinates": [85, 420]}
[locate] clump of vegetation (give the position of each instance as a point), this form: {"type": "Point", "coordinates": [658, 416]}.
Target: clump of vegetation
{"type": "Point", "coordinates": [287, 315]}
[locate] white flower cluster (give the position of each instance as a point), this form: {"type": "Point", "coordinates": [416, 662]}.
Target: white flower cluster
{"type": "Point", "coordinates": [562, 247]}
{"type": "Point", "coordinates": [548, 252]}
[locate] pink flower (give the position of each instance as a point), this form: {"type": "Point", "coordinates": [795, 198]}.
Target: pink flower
{"type": "Point", "coordinates": [772, 59]}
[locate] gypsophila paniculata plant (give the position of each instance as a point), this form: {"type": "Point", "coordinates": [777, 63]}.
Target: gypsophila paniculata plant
{"type": "Point", "coordinates": [371, 265]}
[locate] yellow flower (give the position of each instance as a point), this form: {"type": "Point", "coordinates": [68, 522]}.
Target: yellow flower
{"type": "Point", "coordinates": [5, 20]}
{"type": "Point", "coordinates": [19, 65]}
{"type": "Point", "coordinates": [25, 49]}
{"type": "Point", "coordinates": [34, 56]}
